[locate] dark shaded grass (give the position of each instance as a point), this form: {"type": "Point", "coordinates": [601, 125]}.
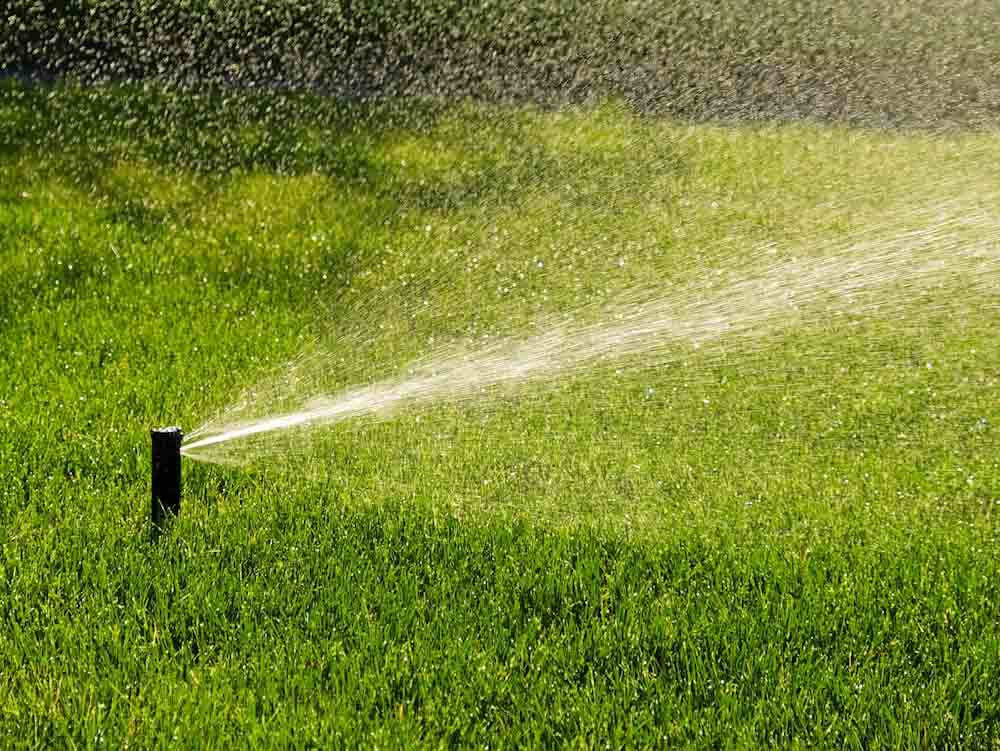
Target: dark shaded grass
{"type": "Point", "coordinates": [921, 64]}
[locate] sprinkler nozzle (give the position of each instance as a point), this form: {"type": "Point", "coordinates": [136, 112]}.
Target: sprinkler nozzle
{"type": "Point", "coordinates": [166, 474]}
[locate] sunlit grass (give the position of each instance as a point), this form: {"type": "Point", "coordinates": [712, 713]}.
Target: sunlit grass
{"type": "Point", "coordinates": [792, 545]}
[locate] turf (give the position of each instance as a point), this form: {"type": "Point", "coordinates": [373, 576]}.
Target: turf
{"type": "Point", "coordinates": [794, 549]}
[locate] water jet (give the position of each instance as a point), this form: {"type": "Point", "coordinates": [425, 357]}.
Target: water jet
{"type": "Point", "coordinates": [166, 474]}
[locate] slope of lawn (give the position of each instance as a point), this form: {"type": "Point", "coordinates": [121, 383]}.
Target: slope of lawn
{"type": "Point", "coordinates": [796, 545]}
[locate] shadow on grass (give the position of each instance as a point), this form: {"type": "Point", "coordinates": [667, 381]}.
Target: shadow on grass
{"type": "Point", "coordinates": [80, 134]}
{"type": "Point", "coordinates": [148, 161]}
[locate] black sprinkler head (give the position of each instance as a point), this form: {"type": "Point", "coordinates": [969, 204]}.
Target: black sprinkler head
{"type": "Point", "coordinates": [166, 474]}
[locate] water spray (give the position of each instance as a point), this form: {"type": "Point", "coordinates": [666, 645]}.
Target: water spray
{"type": "Point", "coordinates": [950, 242]}
{"type": "Point", "coordinates": [166, 474]}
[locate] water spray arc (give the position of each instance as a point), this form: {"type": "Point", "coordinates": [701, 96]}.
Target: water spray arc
{"type": "Point", "coordinates": [868, 275]}
{"type": "Point", "coordinates": [166, 474]}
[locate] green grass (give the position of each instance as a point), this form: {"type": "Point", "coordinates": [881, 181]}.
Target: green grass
{"type": "Point", "coordinates": [796, 549]}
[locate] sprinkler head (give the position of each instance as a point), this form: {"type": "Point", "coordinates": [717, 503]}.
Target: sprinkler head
{"type": "Point", "coordinates": [166, 474]}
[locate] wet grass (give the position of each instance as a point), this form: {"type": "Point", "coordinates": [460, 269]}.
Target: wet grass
{"type": "Point", "coordinates": [930, 65]}
{"type": "Point", "coordinates": [797, 548]}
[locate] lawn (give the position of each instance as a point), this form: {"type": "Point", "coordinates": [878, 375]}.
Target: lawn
{"type": "Point", "coordinates": [789, 544]}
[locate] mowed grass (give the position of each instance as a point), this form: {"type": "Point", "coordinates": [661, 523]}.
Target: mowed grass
{"type": "Point", "coordinates": [792, 547]}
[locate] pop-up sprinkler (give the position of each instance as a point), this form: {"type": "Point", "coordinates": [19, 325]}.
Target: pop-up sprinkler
{"type": "Point", "coordinates": [166, 474]}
